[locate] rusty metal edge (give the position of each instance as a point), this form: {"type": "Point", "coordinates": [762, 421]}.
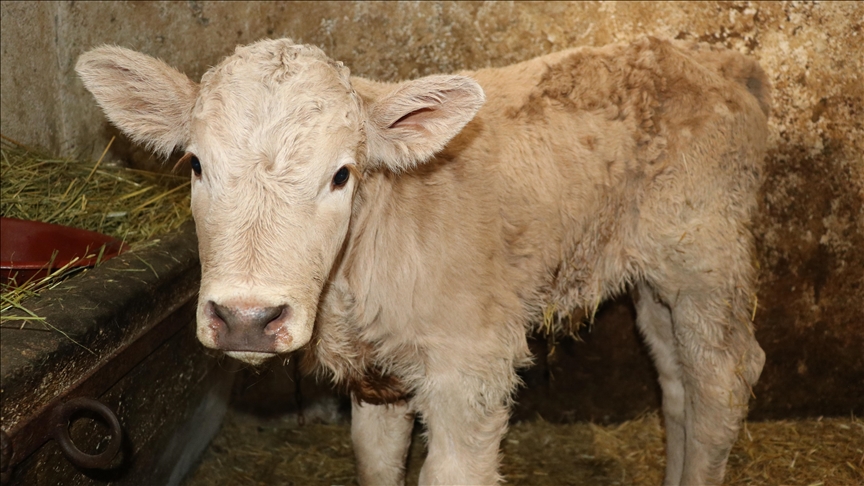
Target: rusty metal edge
{"type": "Point", "coordinates": [32, 431]}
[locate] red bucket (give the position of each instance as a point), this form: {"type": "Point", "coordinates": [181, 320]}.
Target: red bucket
{"type": "Point", "coordinates": [26, 248]}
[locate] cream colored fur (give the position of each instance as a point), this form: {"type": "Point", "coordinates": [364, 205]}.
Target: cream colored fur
{"type": "Point", "coordinates": [586, 173]}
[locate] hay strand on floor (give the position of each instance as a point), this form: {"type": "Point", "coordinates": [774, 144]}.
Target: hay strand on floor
{"type": "Point", "coordinates": [259, 450]}
{"type": "Point", "coordinates": [807, 451]}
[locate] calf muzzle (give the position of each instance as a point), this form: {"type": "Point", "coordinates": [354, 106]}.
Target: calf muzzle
{"type": "Point", "coordinates": [247, 327]}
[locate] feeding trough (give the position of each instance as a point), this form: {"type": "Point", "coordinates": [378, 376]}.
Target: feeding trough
{"type": "Point", "coordinates": [113, 347]}
{"type": "Point", "coordinates": [32, 250]}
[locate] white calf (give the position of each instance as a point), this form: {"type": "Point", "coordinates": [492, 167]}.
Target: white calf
{"type": "Point", "coordinates": [408, 235]}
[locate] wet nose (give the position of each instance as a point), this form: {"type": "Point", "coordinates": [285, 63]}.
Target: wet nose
{"type": "Point", "coordinates": [247, 327]}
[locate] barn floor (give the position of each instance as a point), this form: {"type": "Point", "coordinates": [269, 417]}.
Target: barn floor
{"type": "Point", "coordinates": [253, 450]}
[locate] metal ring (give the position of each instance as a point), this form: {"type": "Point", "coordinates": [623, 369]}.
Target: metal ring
{"type": "Point", "coordinates": [62, 415]}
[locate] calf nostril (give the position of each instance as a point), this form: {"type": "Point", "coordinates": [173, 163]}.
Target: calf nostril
{"type": "Point", "coordinates": [282, 314]}
{"type": "Point", "coordinates": [270, 314]}
{"type": "Point", "coordinates": [223, 313]}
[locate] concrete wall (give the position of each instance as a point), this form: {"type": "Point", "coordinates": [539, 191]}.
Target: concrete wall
{"type": "Point", "coordinates": [811, 230]}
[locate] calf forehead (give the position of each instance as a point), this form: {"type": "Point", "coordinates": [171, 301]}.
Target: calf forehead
{"type": "Point", "coordinates": [275, 63]}
{"type": "Point", "coordinates": [276, 101]}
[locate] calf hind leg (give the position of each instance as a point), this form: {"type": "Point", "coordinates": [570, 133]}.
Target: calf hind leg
{"type": "Point", "coordinates": [720, 361]}
{"type": "Point", "coordinates": [655, 322]}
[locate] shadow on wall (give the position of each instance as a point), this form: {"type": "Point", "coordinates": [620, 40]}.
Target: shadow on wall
{"type": "Point", "coordinates": [810, 320]}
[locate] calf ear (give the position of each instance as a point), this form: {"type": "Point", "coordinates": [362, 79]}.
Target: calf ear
{"type": "Point", "coordinates": [147, 99]}
{"type": "Point", "coordinates": [417, 118]}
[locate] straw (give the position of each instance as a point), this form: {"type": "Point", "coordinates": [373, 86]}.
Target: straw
{"type": "Point", "coordinates": [104, 197]}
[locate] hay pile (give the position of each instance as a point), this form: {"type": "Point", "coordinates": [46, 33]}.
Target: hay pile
{"type": "Point", "coordinates": [128, 204]}
{"type": "Point", "coordinates": [820, 451]}
{"type": "Point", "coordinates": [823, 451]}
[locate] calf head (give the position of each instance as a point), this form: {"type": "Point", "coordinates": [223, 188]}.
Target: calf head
{"type": "Point", "coordinates": [278, 140]}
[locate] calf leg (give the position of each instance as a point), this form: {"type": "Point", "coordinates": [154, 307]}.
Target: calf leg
{"type": "Point", "coordinates": [720, 362]}
{"type": "Point", "coordinates": [466, 418]}
{"type": "Point", "coordinates": [655, 323]}
{"type": "Point", "coordinates": [699, 250]}
{"type": "Point", "coordinates": [381, 435]}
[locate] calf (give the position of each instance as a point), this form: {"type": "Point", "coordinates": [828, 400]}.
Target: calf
{"type": "Point", "coordinates": [408, 235]}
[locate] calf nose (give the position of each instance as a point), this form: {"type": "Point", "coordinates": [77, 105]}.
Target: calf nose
{"type": "Point", "coordinates": [247, 328]}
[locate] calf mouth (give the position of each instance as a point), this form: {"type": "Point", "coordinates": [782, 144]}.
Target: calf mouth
{"type": "Point", "coordinates": [253, 358]}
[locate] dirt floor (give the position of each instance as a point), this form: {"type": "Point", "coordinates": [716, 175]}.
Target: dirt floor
{"type": "Point", "coordinates": [253, 450]}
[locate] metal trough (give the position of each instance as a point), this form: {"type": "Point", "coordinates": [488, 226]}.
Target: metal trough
{"type": "Point", "coordinates": [121, 343]}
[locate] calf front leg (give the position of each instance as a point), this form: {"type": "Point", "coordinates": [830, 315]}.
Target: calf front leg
{"type": "Point", "coordinates": [381, 435]}
{"type": "Point", "coordinates": [466, 418]}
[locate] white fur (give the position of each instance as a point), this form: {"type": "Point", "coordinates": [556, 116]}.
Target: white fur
{"type": "Point", "coordinates": [381, 435]}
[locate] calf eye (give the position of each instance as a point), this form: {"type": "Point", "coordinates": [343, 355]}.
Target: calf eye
{"type": "Point", "coordinates": [196, 165]}
{"type": "Point", "coordinates": [341, 177]}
